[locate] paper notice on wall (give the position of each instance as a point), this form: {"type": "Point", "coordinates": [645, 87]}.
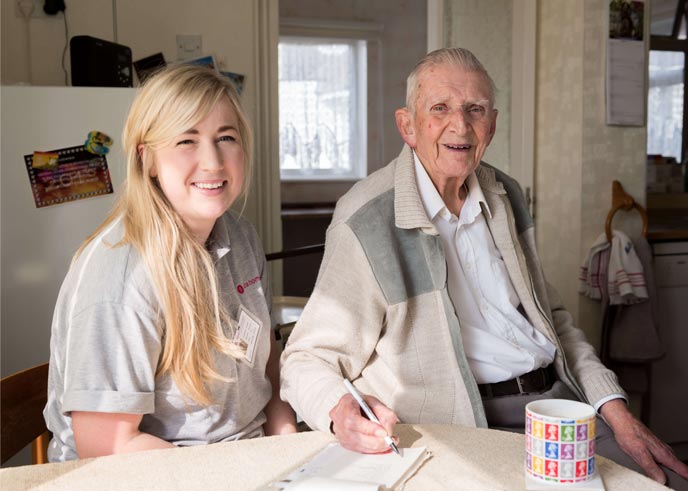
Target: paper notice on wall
{"type": "Point", "coordinates": [625, 81]}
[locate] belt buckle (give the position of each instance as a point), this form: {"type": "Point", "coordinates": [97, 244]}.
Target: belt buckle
{"type": "Point", "coordinates": [520, 386]}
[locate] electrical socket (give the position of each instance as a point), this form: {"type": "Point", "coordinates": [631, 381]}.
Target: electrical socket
{"type": "Point", "coordinates": [188, 47]}
{"type": "Point", "coordinates": [37, 8]}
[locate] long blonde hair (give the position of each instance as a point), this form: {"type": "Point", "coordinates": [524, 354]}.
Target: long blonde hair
{"type": "Point", "coordinates": [182, 270]}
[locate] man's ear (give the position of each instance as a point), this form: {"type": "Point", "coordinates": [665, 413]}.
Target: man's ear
{"type": "Point", "coordinates": [405, 126]}
{"type": "Point", "coordinates": [141, 149]}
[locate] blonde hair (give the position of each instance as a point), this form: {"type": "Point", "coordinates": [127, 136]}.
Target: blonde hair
{"type": "Point", "coordinates": [459, 57]}
{"type": "Point", "coordinates": [182, 270]}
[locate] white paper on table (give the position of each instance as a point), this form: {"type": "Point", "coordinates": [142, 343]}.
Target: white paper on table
{"type": "Point", "coordinates": [336, 468]}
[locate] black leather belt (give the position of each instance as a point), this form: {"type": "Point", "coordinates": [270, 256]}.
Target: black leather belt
{"type": "Point", "coordinates": [535, 381]}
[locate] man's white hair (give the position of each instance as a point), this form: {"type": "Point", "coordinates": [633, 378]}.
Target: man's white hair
{"type": "Point", "coordinates": [459, 57]}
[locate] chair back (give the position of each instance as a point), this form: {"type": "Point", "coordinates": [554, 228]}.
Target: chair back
{"type": "Point", "coordinates": [23, 395]}
{"type": "Point", "coordinates": [285, 312]}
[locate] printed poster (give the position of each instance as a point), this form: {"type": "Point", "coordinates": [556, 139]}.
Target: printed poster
{"type": "Point", "coordinates": [67, 174]}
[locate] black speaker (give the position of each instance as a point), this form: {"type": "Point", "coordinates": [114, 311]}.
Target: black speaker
{"type": "Point", "coordinates": [99, 63]}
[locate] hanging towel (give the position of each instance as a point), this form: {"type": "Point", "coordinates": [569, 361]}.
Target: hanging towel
{"type": "Point", "coordinates": [625, 277]}
{"type": "Point", "coordinates": [632, 328]}
{"type": "Point", "coordinates": [593, 271]}
{"type": "Point", "coordinates": [613, 271]}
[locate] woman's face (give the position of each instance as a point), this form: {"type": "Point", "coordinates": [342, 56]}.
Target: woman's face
{"type": "Point", "coordinates": [202, 170]}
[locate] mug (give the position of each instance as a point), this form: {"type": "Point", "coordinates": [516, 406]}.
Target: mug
{"type": "Point", "coordinates": [560, 441]}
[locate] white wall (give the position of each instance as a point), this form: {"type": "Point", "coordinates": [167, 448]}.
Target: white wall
{"type": "Point", "coordinates": [577, 154]}
{"type": "Point", "coordinates": [485, 29]}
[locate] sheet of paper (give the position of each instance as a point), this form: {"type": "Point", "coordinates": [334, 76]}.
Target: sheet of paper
{"type": "Point", "coordinates": [338, 464]}
{"type": "Point", "coordinates": [625, 81]}
{"type": "Point", "coordinates": [327, 483]}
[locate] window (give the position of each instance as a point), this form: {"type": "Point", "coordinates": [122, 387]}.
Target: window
{"type": "Point", "coordinates": [667, 100]}
{"type": "Point", "coordinates": [665, 104]}
{"type": "Point", "coordinates": [322, 108]}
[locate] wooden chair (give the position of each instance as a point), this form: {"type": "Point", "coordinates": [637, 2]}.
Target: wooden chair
{"type": "Point", "coordinates": [23, 396]}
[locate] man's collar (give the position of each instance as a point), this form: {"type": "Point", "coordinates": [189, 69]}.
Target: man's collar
{"type": "Point", "coordinates": [432, 200]}
{"type": "Point", "coordinates": [409, 212]}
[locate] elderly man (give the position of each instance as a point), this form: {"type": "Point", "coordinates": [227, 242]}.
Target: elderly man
{"type": "Point", "coordinates": [431, 297]}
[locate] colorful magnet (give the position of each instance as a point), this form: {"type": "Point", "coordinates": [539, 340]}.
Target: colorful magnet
{"type": "Point", "coordinates": [45, 160]}
{"type": "Point", "coordinates": [98, 143]}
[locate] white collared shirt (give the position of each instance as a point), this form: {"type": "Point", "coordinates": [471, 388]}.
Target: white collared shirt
{"type": "Point", "coordinates": [499, 342]}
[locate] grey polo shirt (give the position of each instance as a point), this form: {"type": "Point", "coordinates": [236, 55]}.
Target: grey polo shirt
{"type": "Point", "coordinates": [107, 336]}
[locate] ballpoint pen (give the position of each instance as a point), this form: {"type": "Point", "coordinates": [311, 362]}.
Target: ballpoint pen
{"type": "Point", "coordinates": [369, 412]}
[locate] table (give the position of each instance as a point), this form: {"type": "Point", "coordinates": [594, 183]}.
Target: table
{"type": "Point", "coordinates": [463, 458]}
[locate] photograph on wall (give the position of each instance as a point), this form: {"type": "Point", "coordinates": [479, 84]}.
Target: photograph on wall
{"type": "Point", "coordinates": [626, 18]}
{"type": "Point", "coordinates": [67, 174]}
{"type": "Point", "coordinates": [206, 61]}
{"type": "Point", "coordinates": [237, 78]}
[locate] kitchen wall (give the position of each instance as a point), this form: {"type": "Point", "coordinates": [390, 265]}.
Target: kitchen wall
{"type": "Point", "coordinates": [577, 154]}
{"type": "Point", "coordinates": [146, 27]}
{"type": "Point", "coordinates": [485, 29]}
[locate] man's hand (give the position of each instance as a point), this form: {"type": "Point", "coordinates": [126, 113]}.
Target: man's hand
{"type": "Point", "coordinates": [357, 433]}
{"type": "Point", "coordinates": [640, 443]}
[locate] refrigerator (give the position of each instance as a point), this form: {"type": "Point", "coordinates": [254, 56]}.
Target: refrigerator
{"type": "Point", "coordinates": [37, 244]}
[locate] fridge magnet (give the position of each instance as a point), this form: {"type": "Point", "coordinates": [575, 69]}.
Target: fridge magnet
{"type": "Point", "coordinates": [74, 174]}
{"type": "Point", "coordinates": [98, 143]}
{"type": "Point", "coordinates": [237, 78]}
{"type": "Point", "coordinates": [45, 160]}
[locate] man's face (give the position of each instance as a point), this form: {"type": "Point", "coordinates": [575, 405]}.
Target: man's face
{"type": "Point", "coordinates": [453, 122]}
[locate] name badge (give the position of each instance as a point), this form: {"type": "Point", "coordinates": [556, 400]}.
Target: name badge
{"type": "Point", "coordinates": [247, 333]}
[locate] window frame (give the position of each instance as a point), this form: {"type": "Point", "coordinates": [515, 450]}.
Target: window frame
{"type": "Point", "coordinates": [672, 42]}
{"type": "Point", "coordinates": [359, 147]}
{"type": "Point", "coordinates": [294, 191]}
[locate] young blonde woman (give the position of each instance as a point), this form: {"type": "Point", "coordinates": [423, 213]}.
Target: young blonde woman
{"type": "Point", "coordinates": [161, 334]}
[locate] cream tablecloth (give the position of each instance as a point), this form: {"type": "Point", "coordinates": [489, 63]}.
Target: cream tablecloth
{"type": "Point", "coordinates": [463, 458]}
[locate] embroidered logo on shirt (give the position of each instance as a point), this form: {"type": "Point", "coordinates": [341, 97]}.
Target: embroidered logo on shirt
{"type": "Point", "coordinates": [241, 287]}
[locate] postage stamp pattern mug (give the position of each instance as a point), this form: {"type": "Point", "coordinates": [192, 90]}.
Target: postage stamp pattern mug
{"type": "Point", "coordinates": [560, 441]}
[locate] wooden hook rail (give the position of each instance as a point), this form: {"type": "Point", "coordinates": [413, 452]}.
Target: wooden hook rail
{"type": "Point", "coordinates": [622, 200]}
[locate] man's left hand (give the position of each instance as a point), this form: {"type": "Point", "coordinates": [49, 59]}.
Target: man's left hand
{"type": "Point", "coordinates": [640, 443]}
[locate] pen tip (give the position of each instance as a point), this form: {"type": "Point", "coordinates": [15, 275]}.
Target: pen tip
{"type": "Point", "coordinates": [396, 450]}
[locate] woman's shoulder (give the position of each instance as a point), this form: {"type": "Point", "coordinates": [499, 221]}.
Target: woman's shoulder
{"type": "Point", "coordinates": [107, 251]}
{"type": "Point", "coordinates": [109, 270]}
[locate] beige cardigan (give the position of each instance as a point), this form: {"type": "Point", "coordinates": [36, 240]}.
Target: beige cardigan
{"type": "Point", "coordinates": [381, 315]}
